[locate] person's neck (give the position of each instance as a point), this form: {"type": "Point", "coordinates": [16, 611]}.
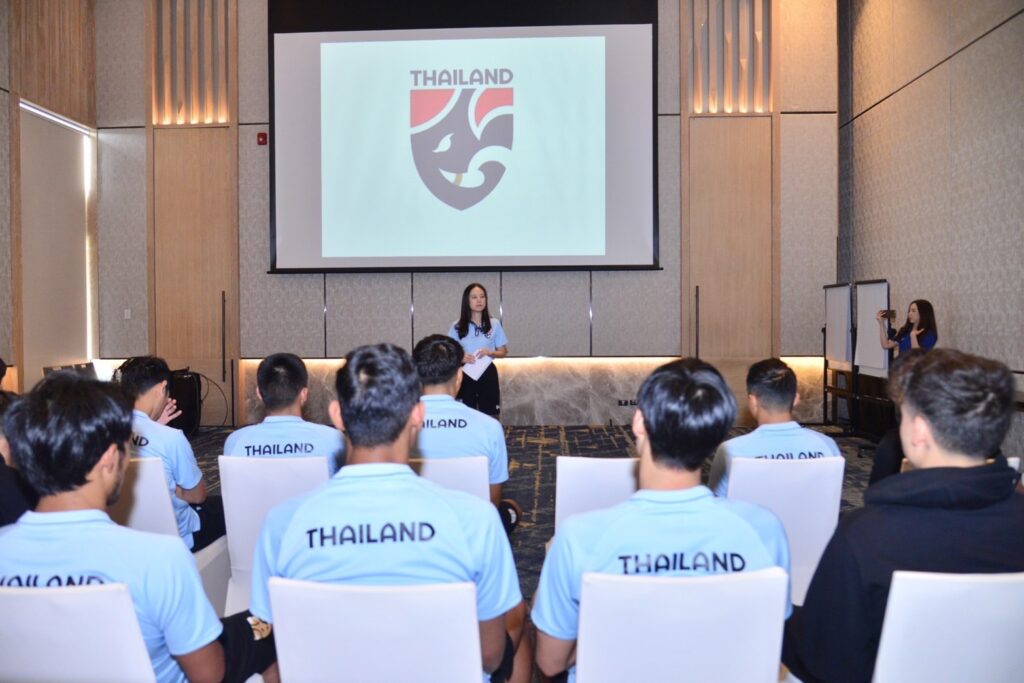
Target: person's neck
{"type": "Point", "coordinates": [144, 405]}
{"type": "Point", "coordinates": [938, 457]}
{"type": "Point", "coordinates": [294, 410]}
{"type": "Point", "coordinates": [396, 452]}
{"type": "Point", "coordinates": [656, 477]}
{"type": "Point", "coordinates": [477, 318]}
{"type": "Point", "coordinates": [446, 389]}
{"type": "Point", "coordinates": [87, 497]}
{"type": "Point", "coordinates": [766, 418]}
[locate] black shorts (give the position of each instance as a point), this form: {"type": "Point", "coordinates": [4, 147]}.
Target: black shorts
{"type": "Point", "coordinates": [482, 394]}
{"type": "Point", "coordinates": [244, 655]}
{"type": "Point", "coordinates": [211, 522]}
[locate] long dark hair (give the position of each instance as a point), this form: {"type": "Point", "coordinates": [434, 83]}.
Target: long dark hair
{"type": "Point", "coordinates": [925, 319]}
{"type": "Point", "coordinates": [465, 315]}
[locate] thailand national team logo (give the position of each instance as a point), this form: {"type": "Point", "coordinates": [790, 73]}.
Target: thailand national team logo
{"type": "Point", "coordinates": [461, 132]}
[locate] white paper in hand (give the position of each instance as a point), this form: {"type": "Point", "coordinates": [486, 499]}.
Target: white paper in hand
{"type": "Point", "coordinates": [476, 368]}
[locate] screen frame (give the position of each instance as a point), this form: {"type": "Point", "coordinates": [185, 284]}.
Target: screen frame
{"type": "Point", "coordinates": [284, 16]}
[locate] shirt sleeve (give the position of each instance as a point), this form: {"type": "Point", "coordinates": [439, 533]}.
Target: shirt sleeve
{"type": "Point", "coordinates": [833, 636]}
{"type": "Point", "coordinates": [928, 340]}
{"type": "Point", "coordinates": [497, 583]}
{"type": "Point", "coordinates": [232, 441]}
{"type": "Point", "coordinates": [498, 463]}
{"type": "Point", "coordinates": [264, 561]}
{"type": "Point", "coordinates": [499, 334]}
{"type": "Point", "coordinates": [182, 610]}
{"type": "Point", "coordinates": [186, 472]}
{"type": "Point", "coordinates": [454, 333]}
{"type": "Point", "coordinates": [556, 606]}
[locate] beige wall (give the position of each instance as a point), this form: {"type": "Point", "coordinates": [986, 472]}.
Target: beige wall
{"type": "Point", "coordinates": [932, 142]}
{"type": "Point", "coordinates": [53, 222]}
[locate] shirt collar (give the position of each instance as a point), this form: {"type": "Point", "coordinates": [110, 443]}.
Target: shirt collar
{"type": "Point", "coordinates": [437, 398]}
{"type": "Point", "coordinates": [283, 418]}
{"type": "Point", "coordinates": [778, 427]}
{"type": "Point", "coordinates": [673, 495]}
{"type": "Point", "coordinates": [138, 413]}
{"type": "Point", "coordinates": [374, 469]}
{"type": "Point", "coordinates": [64, 517]}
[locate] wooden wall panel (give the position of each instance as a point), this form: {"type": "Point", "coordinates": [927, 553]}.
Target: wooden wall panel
{"type": "Point", "coordinates": [730, 234]}
{"type": "Point", "coordinates": [53, 55]}
{"type": "Point", "coordinates": [195, 241]}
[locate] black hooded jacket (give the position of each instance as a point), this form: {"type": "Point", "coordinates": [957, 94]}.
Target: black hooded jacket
{"type": "Point", "coordinates": [956, 520]}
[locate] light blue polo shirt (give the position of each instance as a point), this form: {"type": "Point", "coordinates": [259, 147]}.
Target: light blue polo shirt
{"type": "Point", "coordinates": [453, 430]}
{"type": "Point", "coordinates": [475, 338]}
{"type": "Point", "coordinates": [666, 533]}
{"type": "Point", "coordinates": [281, 436]}
{"type": "Point", "coordinates": [782, 441]}
{"type": "Point", "coordinates": [84, 547]}
{"type": "Point", "coordinates": [380, 524]}
{"type": "Point", "coordinates": [151, 439]}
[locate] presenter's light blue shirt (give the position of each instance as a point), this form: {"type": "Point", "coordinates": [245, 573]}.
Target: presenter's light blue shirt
{"type": "Point", "coordinates": [151, 439]}
{"type": "Point", "coordinates": [84, 547]}
{"type": "Point", "coordinates": [380, 524]}
{"type": "Point", "coordinates": [452, 429]}
{"type": "Point", "coordinates": [281, 436]}
{"type": "Point", "coordinates": [654, 533]}
{"type": "Point", "coordinates": [476, 339]}
{"type": "Point", "coordinates": [783, 441]}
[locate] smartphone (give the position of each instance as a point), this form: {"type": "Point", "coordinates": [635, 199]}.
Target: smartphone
{"type": "Point", "coordinates": [890, 314]}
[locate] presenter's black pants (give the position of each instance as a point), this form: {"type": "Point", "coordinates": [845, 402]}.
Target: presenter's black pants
{"type": "Point", "coordinates": [483, 394]}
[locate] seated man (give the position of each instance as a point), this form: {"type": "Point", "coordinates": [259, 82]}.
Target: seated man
{"type": "Point", "coordinates": [952, 513]}
{"type": "Point", "coordinates": [282, 385]}
{"type": "Point", "coordinates": [200, 520]}
{"type": "Point", "coordinates": [771, 398]}
{"type": "Point", "coordinates": [16, 496]}
{"type": "Point", "coordinates": [452, 429]}
{"type": "Point", "coordinates": [684, 410]}
{"type": "Point", "coordinates": [379, 411]}
{"type": "Point", "coordinates": [69, 436]}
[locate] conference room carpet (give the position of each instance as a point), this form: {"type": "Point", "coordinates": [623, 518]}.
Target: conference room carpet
{"type": "Point", "coordinates": [532, 452]}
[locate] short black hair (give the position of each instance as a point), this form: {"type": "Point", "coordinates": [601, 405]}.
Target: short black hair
{"type": "Point", "coordinates": [967, 400]}
{"type": "Point", "coordinates": [437, 357]}
{"type": "Point", "coordinates": [688, 409]}
{"type": "Point", "coordinates": [773, 383]}
{"type": "Point", "coordinates": [280, 377]}
{"type": "Point", "coordinates": [139, 374]}
{"type": "Point", "coordinates": [377, 389]}
{"type": "Point", "coordinates": [58, 431]}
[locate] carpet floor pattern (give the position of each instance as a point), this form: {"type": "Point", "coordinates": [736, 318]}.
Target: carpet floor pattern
{"type": "Point", "coordinates": [531, 481]}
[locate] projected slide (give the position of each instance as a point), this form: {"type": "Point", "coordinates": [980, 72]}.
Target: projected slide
{"type": "Point", "coordinates": [512, 147]}
{"type": "Point", "coordinates": [463, 147]}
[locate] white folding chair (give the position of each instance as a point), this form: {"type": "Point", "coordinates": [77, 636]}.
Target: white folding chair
{"type": "Point", "coordinates": [804, 495]}
{"type": "Point", "coordinates": [145, 504]}
{"type": "Point", "coordinates": [250, 487]}
{"type": "Point", "coordinates": [469, 474]}
{"type": "Point", "coordinates": [78, 634]}
{"type": "Point", "coordinates": [724, 628]}
{"type": "Point", "coordinates": [952, 627]}
{"type": "Point", "coordinates": [367, 634]}
{"type": "Point", "coordinates": [585, 484]}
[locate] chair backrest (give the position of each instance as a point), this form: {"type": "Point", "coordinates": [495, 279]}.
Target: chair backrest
{"type": "Point", "coordinates": [585, 484]}
{"type": "Point", "coordinates": [389, 633]}
{"type": "Point", "coordinates": [144, 503]}
{"type": "Point", "coordinates": [804, 495]}
{"type": "Point", "coordinates": [952, 627]}
{"type": "Point", "coordinates": [77, 634]}
{"type": "Point", "coordinates": [251, 486]}
{"type": "Point", "coordinates": [467, 474]}
{"type": "Point", "coordinates": [725, 628]}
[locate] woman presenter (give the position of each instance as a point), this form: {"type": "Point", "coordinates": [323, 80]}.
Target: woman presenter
{"type": "Point", "coordinates": [918, 332]}
{"type": "Point", "coordinates": [483, 340]}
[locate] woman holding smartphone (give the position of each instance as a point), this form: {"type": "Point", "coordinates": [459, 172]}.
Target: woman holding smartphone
{"type": "Point", "coordinates": [483, 340]}
{"type": "Point", "coordinates": [918, 332]}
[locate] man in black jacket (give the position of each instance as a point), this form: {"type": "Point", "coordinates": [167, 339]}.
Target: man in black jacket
{"type": "Point", "coordinates": [954, 512]}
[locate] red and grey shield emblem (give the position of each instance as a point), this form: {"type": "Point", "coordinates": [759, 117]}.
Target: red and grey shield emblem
{"type": "Point", "coordinates": [458, 136]}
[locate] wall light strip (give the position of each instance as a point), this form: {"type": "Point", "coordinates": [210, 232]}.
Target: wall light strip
{"type": "Point", "coordinates": [56, 118]}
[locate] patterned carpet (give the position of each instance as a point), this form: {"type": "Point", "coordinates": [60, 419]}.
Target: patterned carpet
{"type": "Point", "coordinates": [531, 482]}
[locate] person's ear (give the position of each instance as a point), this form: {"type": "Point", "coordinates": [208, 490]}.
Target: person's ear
{"type": "Point", "coordinates": [259, 395]}
{"type": "Point", "coordinates": [753, 405]}
{"type": "Point", "coordinates": [334, 410]}
{"type": "Point", "coordinates": [796, 400]}
{"type": "Point", "coordinates": [458, 381]}
{"type": "Point", "coordinates": [419, 412]}
{"type": "Point", "coordinates": [303, 396]}
{"type": "Point", "coordinates": [110, 463]}
{"type": "Point", "coordinates": [639, 428]}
